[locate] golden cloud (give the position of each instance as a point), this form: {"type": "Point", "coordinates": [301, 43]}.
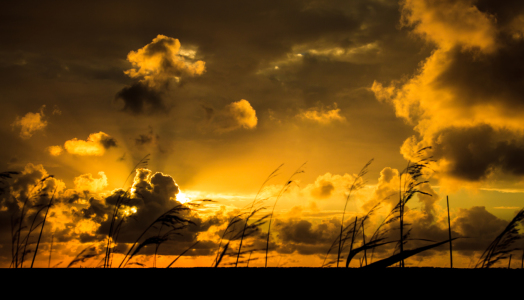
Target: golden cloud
{"type": "Point", "coordinates": [96, 144]}
{"type": "Point", "coordinates": [328, 185]}
{"type": "Point", "coordinates": [87, 182]}
{"type": "Point", "coordinates": [239, 114]}
{"type": "Point", "coordinates": [162, 60]}
{"type": "Point", "coordinates": [30, 123]}
{"type": "Point", "coordinates": [321, 115]}
{"type": "Point", "coordinates": [450, 23]}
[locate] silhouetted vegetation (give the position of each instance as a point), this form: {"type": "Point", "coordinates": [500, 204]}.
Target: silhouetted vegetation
{"type": "Point", "coordinates": [245, 223]}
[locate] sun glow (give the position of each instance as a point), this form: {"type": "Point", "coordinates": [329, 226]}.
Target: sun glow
{"type": "Point", "coordinates": [182, 197]}
{"type": "Point", "coordinates": [129, 211]}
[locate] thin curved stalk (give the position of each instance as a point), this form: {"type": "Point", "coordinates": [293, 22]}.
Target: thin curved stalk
{"type": "Point", "coordinates": [21, 220]}
{"type": "Point", "coordinates": [107, 259]}
{"type": "Point", "coordinates": [43, 224]}
{"type": "Point", "coordinates": [31, 229]}
{"type": "Point", "coordinates": [284, 188]}
{"type": "Point", "coordinates": [182, 254]}
{"type": "Point", "coordinates": [127, 257]}
{"type": "Point", "coordinates": [354, 186]}
{"type": "Point", "coordinates": [273, 174]}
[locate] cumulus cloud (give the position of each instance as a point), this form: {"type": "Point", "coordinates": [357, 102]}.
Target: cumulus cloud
{"type": "Point", "coordinates": [322, 115]}
{"type": "Point", "coordinates": [161, 61]}
{"type": "Point", "coordinates": [236, 115]}
{"type": "Point", "coordinates": [151, 195]}
{"type": "Point", "coordinates": [465, 100]}
{"type": "Point", "coordinates": [479, 226]}
{"type": "Point", "coordinates": [386, 190]}
{"type": "Point", "coordinates": [328, 185]}
{"type": "Point", "coordinates": [155, 67]}
{"type": "Point", "coordinates": [96, 144]}
{"type": "Point", "coordinates": [304, 237]}
{"type": "Point", "coordinates": [30, 123]}
{"type": "Point", "coordinates": [32, 181]}
{"type": "Point", "coordinates": [82, 215]}
{"type": "Point", "coordinates": [299, 233]}
{"type": "Point", "coordinates": [31, 190]}
{"type": "Point", "coordinates": [87, 182]}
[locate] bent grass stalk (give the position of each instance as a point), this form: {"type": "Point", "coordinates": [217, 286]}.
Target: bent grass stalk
{"type": "Point", "coordinates": [499, 248]}
{"type": "Point", "coordinates": [18, 261]}
{"type": "Point", "coordinates": [284, 188]}
{"type": "Point", "coordinates": [411, 184]}
{"type": "Point", "coordinates": [43, 224]}
{"type": "Point", "coordinates": [272, 175]}
{"type": "Point", "coordinates": [111, 238]}
{"type": "Point", "coordinates": [354, 187]}
{"type": "Point", "coordinates": [170, 219]}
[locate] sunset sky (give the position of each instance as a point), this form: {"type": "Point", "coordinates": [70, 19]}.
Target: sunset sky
{"type": "Point", "coordinates": [222, 93]}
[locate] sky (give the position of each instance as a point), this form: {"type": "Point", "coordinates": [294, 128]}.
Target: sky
{"type": "Point", "coordinates": [275, 107]}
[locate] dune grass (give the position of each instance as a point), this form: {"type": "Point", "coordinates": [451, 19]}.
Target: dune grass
{"type": "Point", "coordinates": [357, 185]}
{"type": "Point", "coordinates": [350, 242]}
{"type": "Point", "coordinates": [114, 229]}
{"type": "Point", "coordinates": [500, 248]}
{"type": "Point", "coordinates": [252, 208]}
{"type": "Point", "coordinates": [282, 191]}
{"type": "Point", "coordinates": [19, 224]}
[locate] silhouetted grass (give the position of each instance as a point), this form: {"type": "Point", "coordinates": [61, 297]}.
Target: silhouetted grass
{"type": "Point", "coordinates": [272, 175]}
{"type": "Point", "coordinates": [412, 173]}
{"type": "Point", "coordinates": [181, 254]}
{"type": "Point", "coordinates": [357, 185]}
{"type": "Point", "coordinates": [500, 247]}
{"type": "Point", "coordinates": [114, 230]}
{"type": "Point", "coordinates": [172, 220]}
{"type": "Point", "coordinates": [83, 256]}
{"type": "Point", "coordinates": [244, 225]}
{"type": "Point", "coordinates": [19, 244]}
{"type": "Point", "coordinates": [284, 188]}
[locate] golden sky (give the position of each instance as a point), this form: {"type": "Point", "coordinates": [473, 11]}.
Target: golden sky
{"type": "Point", "coordinates": [220, 94]}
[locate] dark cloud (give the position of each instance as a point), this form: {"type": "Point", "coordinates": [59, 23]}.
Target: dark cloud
{"type": "Point", "coordinates": [302, 231]}
{"type": "Point", "coordinates": [152, 196]}
{"type": "Point", "coordinates": [474, 153]}
{"type": "Point", "coordinates": [324, 190]}
{"type": "Point", "coordinates": [304, 237]}
{"type": "Point", "coordinates": [495, 78]}
{"type": "Point", "coordinates": [139, 98]}
{"type": "Point", "coordinates": [504, 11]}
{"type": "Point", "coordinates": [108, 142]}
{"type": "Point", "coordinates": [478, 226]}
{"type": "Point", "coordinates": [97, 210]}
